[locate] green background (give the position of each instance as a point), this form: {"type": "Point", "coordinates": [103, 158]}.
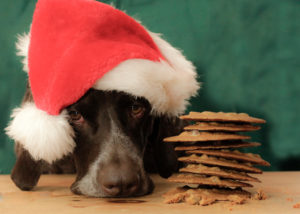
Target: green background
{"type": "Point", "coordinates": [246, 53]}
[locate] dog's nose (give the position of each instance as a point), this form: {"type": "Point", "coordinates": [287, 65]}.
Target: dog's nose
{"type": "Point", "coordinates": [119, 181]}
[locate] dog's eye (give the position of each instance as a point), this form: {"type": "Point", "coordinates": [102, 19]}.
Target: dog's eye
{"type": "Point", "coordinates": [75, 115]}
{"type": "Point", "coordinates": [137, 111]}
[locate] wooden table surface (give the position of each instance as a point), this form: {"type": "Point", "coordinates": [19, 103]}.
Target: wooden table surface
{"type": "Point", "coordinates": [52, 195]}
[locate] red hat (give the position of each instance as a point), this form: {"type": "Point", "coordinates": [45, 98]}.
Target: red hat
{"type": "Point", "coordinates": [75, 45]}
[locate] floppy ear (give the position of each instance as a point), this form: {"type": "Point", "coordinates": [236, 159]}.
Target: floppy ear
{"type": "Point", "coordinates": [164, 154]}
{"type": "Point", "coordinates": [26, 172]}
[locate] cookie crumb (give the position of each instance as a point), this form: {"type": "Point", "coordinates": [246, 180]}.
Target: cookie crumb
{"type": "Point", "coordinates": [204, 197]}
{"type": "Point", "coordinates": [289, 199]}
{"type": "Point", "coordinates": [260, 195]}
{"type": "Point", "coordinates": [236, 199]}
{"type": "Point", "coordinates": [297, 205]}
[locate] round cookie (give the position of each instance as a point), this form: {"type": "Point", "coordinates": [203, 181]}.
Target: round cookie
{"type": "Point", "coordinates": [221, 117]}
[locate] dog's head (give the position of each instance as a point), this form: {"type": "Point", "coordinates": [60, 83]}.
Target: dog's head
{"type": "Point", "coordinates": [97, 91]}
{"type": "Point", "coordinates": [117, 137]}
{"type": "Point", "coordinates": [113, 130]}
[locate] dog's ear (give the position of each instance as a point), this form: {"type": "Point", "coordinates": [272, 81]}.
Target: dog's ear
{"type": "Point", "coordinates": [164, 153]}
{"type": "Point", "coordinates": [26, 171]}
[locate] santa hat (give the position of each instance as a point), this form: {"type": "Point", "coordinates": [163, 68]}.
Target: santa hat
{"type": "Point", "coordinates": [75, 45]}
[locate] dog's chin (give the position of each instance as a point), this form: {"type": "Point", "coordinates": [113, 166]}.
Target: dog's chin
{"type": "Point", "coordinates": [145, 188]}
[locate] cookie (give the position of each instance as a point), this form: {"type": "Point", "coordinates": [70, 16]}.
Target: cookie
{"type": "Point", "coordinates": [221, 117]}
{"type": "Point", "coordinates": [201, 196]}
{"type": "Point", "coordinates": [189, 178]}
{"type": "Point", "coordinates": [216, 171]}
{"type": "Point", "coordinates": [236, 155]}
{"type": "Point", "coordinates": [212, 161]}
{"type": "Point", "coordinates": [196, 136]}
{"type": "Point", "coordinates": [216, 126]}
{"type": "Point", "coordinates": [217, 145]}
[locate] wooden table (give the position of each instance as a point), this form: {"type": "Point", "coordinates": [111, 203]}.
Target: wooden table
{"type": "Point", "coordinates": [52, 195]}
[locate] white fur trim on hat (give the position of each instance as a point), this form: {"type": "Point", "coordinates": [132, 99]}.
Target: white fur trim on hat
{"type": "Point", "coordinates": [166, 85]}
{"type": "Point", "coordinates": [44, 136]}
{"type": "Point", "coordinates": [22, 46]}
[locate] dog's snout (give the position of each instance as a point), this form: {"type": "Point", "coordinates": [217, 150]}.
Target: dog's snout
{"type": "Point", "coordinates": [119, 181]}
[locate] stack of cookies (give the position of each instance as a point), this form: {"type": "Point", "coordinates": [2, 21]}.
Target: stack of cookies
{"type": "Point", "coordinates": [213, 169]}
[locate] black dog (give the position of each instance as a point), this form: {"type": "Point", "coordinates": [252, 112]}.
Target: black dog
{"type": "Point", "coordinates": [117, 141]}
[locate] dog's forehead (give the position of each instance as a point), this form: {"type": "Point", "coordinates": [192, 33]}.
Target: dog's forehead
{"type": "Point", "coordinates": [98, 97]}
